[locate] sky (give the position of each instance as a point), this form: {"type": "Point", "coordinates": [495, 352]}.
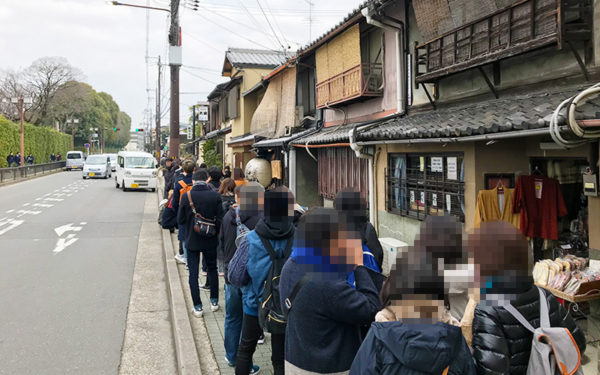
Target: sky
{"type": "Point", "coordinates": [108, 43]}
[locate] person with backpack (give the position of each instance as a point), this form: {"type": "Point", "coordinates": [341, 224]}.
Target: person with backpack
{"type": "Point", "coordinates": [200, 213]}
{"type": "Point", "coordinates": [215, 177]}
{"type": "Point", "coordinates": [354, 206]}
{"type": "Point", "coordinates": [502, 344]}
{"type": "Point", "coordinates": [266, 249]}
{"type": "Point", "coordinates": [325, 313]}
{"type": "Point", "coordinates": [181, 187]}
{"type": "Point", "coordinates": [409, 335]}
{"type": "Point", "coordinates": [237, 222]}
{"type": "Point", "coordinates": [227, 192]}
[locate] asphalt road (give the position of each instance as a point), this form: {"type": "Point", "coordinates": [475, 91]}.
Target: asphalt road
{"type": "Point", "coordinates": [67, 254]}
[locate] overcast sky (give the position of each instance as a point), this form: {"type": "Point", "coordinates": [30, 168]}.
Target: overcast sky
{"type": "Point", "coordinates": [108, 43]}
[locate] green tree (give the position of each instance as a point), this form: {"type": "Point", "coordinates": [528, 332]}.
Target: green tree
{"type": "Point", "coordinates": [210, 155]}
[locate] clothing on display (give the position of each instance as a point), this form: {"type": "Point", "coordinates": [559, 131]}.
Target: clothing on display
{"type": "Point", "coordinates": [496, 205]}
{"type": "Point", "coordinates": [540, 202]}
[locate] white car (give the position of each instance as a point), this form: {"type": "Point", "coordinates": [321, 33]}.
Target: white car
{"type": "Point", "coordinates": [113, 162]}
{"type": "Point", "coordinates": [97, 166]}
{"type": "Point", "coordinates": [136, 170]}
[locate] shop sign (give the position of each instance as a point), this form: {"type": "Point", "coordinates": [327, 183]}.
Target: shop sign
{"type": "Point", "coordinates": [452, 168]}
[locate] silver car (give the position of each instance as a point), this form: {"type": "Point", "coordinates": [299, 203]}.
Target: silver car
{"type": "Point", "coordinates": [113, 162]}
{"type": "Point", "coordinates": [97, 166]}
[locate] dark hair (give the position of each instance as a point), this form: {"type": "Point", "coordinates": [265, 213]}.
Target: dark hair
{"type": "Point", "coordinates": [188, 166]}
{"type": "Point", "coordinates": [200, 175]}
{"type": "Point", "coordinates": [278, 202]}
{"type": "Point", "coordinates": [227, 167]}
{"type": "Point", "coordinates": [319, 226]}
{"type": "Point", "coordinates": [228, 185]}
{"type": "Point", "coordinates": [440, 237]}
{"type": "Point", "coordinates": [407, 278]}
{"type": "Point", "coordinates": [238, 174]}
{"type": "Point", "coordinates": [215, 173]}
{"type": "Point", "coordinates": [203, 166]}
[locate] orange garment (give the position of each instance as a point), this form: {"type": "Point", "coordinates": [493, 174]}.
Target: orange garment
{"type": "Point", "coordinates": [240, 182]}
{"type": "Point", "coordinates": [488, 207]}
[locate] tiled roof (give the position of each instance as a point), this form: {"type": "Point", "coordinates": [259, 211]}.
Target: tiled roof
{"type": "Point", "coordinates": [255, 57]}
{"type": "Point", "coordinates": [509, 113]}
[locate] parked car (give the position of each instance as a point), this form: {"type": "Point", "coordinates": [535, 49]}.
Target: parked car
{"type": "Point", "coordinates": [136, 170]}
{"type": "Point", "coordinates": [74, 160]}
{"type": "Point", "coordinates": [113, 162]}
{"type": "Point", "coordinates": [97, 166]}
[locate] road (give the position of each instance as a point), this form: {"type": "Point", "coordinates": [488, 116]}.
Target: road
{"type": "Point", "coordinates": [67, 254]}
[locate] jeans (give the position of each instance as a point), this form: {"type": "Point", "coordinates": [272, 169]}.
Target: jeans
{"type": "Point", "coordinates": [233, 321]}
{"type": "Point", "coordinates": [251, 331]}
{"type": "Point", "coordinates": [213, 277]}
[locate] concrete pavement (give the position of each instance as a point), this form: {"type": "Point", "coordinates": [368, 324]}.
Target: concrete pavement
{"type": "Point", "coordinates": [67, 252]}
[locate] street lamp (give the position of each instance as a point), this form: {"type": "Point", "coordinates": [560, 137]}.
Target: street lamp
{"type": "Point", "coordinates": [72, 122]}
{"type": "Point", "coordinates": [20, 102]}
{"type": "Point", "coordinates": [137, 6]}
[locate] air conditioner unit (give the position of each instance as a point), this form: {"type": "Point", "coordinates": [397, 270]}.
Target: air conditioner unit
{"type": "Point", "coordinates": [299, 116]}
{"type": "Point", "coordinates": [392, 249]}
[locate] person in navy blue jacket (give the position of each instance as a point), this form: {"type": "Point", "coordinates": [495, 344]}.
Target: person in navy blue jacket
{"type": "Point", "coordinates": [207, 203]}
{"type": "Point", "coordinates": [409, 336]}
{"type": "Point", "coordinates": [277, 227]}
{"type": "Point", "coordinates": [324, 322]}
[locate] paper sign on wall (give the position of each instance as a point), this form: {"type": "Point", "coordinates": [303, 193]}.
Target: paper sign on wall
{"type": "Point", "coordinates": [437, 164]}
{"type": "Point", "coordinates": [434, 200]}
{"type": "Point", "coordinates": [448, 203]}
{"type": "Point", "coordinates": [423, 198]}
{"type": "Point", "coordinates": [422, 163]}
{"type": "Point", "coordinates": [412, 196]}
{"type": "Point", "coordinates": [452, 168]}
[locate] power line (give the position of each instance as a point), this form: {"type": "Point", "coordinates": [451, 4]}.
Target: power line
{"type": "Point", "coordinates": [252, 17]}
{"type": "Point", "coordinates": [199, 77]}
{"type": "Point", "coordinates": [269, 22]}
{"type": "Point", "coordinates": [287, 43]}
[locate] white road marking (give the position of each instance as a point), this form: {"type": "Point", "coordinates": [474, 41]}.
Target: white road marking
{"type": "Point", "coordinates": [42, 205]}
{"type": "Point", "coordinates": [26, 204]}
{"type": "Point", "coordinates": [83, 223]}
{"type": "Point", "coordinates": [9, 211]}
{"type": "Point", "coordinates": [12, 224]}
{"type": "Point", "coordinates": [54, 199]}
{"type": "Point", "coordinates": [26, 212]}
{"type": "Point", "coordinates": [63, 243]}
{"type": "Point", "coordinates": [66, 228]}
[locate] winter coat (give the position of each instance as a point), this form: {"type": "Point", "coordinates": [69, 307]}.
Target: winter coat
{"type": "Point", "coordinates": [228, 234]}
{"type": "Point", "coordinates": [501, 345]}
{"type": "Point", "coordinates": [215, 184]}
{"type": "Point", "coordinates": [323, 332]}
{"type": "Point", "coordinates": [228, 201]}
{"type": "Point", "coordinates": [208, 204]}
{"type": "Point", "coordinates": [169, 175]}
{"type": "Point", "coordinates": [369, 238]}
{"type": "Point", "coordinates": [395, 348]}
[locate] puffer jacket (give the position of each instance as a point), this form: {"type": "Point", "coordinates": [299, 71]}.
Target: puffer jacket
{"type": "Point", "coordinates": [501, 345]}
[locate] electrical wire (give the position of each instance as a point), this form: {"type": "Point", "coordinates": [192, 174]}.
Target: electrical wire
{"type": "Point", "coordinates": [197, 76]}
{"type": "Point", "coordinates": [269, 23]}
{"type": "Point", "coordinates": [571, 122]}
{"type": "Point", "coordinates": [287, 43]}
{"type": "Point", "coordinates": [258, 24]}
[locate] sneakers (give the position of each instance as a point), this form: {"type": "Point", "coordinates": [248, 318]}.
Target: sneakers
{"type": "Point", "coordinates": [181, 259]}
{"type": "Point", "coordinates": [261, 339]}
{"type": "Point", "coordinates": [214, 306]}
{"type": "Point", "coordinates": [203, 273]}
{"type": "Point", "coordinates": [197, 311]}
{"type": "Point", "coordinates": [255, 370]}
{"type": "Point", "coordinates": [221, 274]}
{"type": "Point", "coordinates": [230, 364]}
{"type": "Point", "coordinates": [205, 287]}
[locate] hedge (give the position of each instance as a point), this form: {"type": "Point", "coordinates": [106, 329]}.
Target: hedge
{"type": "Point", "coordinates": [41, 141]}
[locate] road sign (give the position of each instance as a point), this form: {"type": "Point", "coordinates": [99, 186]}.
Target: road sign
{"type": "Point", "coordinates": [86, 145]}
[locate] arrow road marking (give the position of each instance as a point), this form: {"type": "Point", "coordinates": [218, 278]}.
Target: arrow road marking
{"type": "Point", "coordinates": [25, 212]}
{"type": "Point", "coordinates": [63, 243]}
{"type": "Point", "coordinates": [66, 228]}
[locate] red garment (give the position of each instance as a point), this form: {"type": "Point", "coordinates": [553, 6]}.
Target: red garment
{"type": "Point", "coordinates": [539, 214]}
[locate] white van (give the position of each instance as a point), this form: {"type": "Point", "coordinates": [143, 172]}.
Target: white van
{"type": "Point", "coordinates": [74, 160]}
{"type": "Point", "coordinates": [135, 170]}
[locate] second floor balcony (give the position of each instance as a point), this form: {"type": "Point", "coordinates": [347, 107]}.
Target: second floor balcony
{"type": "Point", "coordinates": [363, 80]}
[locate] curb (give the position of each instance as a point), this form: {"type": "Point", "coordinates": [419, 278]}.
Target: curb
{"type": "Point", "coordinates": [185, 345]}
{"type": "Point", "coordinates": [49, 173]}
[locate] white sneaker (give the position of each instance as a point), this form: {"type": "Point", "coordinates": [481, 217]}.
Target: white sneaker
{"type": "Point", "coordinates": [197, 312]}
{"type": "Point", "coordinates": [214, 306]}
{"type": "Point", "coordinates": [180, 259]}
{"type": "Point", "coordinates": [261, 339]}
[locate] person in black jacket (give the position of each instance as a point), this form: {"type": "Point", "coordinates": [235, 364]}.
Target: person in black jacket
{"type": "Point", "coordinates": [169, 173]}
{"type": "Point", "coordinates": [227, 191]}
{"type": "Point", "coordinates": [250, 198]}
{"type": "Point", "coordinates": [326, 314]}
{"type": "Point", "coordinates": [501, 345]}
{"type": "Point", "coordinates": [354, 206]}
{"type": "Point", "coordinates": [215, 177]}
{"type": "Point", "coordinates": [207, 203]}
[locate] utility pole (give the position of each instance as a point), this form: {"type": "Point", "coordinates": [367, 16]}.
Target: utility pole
{"type": "Point", "coordinates": [21, 114]}
{"type": "Point", "coordinates": [73, 122]}
{"type": "Point", "coordinates": [174, 63]}
{"type": "Point", "coordinates": [194, 129]}
{"type": "Point", "coordinates": [158, 113]}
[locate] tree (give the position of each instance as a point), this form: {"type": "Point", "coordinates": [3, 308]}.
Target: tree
{"type": "Point", "coordinates": [210, 155]}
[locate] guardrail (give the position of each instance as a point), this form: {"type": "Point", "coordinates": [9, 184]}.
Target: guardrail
{"type": "Point", "coordinates": [10, 174]}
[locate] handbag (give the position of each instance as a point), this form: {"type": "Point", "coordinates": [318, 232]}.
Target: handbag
{"type": "Point", "coordinates": [204, 227]}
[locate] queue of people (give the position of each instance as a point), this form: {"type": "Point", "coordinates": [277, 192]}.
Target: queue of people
{"type": "Point", "coordinates": [14, 159]}
{"type": "Point", "coordinates": [454, 303]}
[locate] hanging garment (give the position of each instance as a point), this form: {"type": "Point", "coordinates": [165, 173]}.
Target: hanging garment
{"type": "Point", "coordinates": [494, 206]}
{"type": "Point", "coordinates": [540, 202]}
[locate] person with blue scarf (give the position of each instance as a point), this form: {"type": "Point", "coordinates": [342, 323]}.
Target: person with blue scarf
{"type": "Point", "coordinates": [325, 313]}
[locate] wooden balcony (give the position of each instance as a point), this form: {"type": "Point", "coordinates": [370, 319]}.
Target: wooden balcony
{"type": "Point", "coordinates": [363, 80]}
{"type": "Point", "coordinates": [519, 28]}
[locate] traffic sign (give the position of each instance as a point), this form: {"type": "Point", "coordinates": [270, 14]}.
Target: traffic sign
{"type": "Point", "coordinates": [86, 145]}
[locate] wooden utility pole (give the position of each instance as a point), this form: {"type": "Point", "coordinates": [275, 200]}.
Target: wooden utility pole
{"type": "Point", "coordinates": [158, 113]}
{"type": "Point", "coordinates": [21, 114]}
{"type": "Point", "coordinates": [174, 64]}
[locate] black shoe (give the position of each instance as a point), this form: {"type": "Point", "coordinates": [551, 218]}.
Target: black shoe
{"type": "Point", "coordinates": [205, 286]}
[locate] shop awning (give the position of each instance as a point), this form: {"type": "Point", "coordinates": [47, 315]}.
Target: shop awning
{"type": "Point", "coordinates": [527, 114]}
{"type": "Point", "coordinates": [280, 142]}
{"type": "Point", "coordinates": [241, 140]}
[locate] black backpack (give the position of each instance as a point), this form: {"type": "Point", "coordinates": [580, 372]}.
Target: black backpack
{"type": "Point", "coordinates": [270, 314]}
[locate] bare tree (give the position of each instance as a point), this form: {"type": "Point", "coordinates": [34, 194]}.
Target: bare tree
{"type": "Point", "coordinates": [43, 79]}
{"type": "Point", "coordinates": [11, 85]}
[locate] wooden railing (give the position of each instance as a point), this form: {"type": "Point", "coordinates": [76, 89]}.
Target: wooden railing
{"type": "Point", "coordinates": [521, 27]}
{"type": "Point", "coordinates": [365, 79]}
